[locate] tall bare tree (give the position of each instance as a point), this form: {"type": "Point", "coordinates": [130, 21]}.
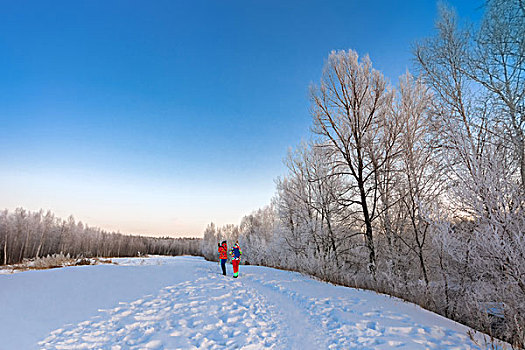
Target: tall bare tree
{"type": "Point", "coordinates": [497, 62]}
{"type": "Point", "coordinates": [349, 108]}
{"type": "Point", "coordinates": [418, 169]}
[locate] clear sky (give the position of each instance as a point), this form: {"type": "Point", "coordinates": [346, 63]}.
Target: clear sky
{"type": "Point", "coordinates": [158, 117]}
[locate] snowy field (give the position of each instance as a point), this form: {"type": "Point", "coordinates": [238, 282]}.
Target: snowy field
{"type": "Point", "coordinates": [185, 303]}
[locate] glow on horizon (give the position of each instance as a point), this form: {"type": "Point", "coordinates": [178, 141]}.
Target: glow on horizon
{"type": "Point", "coordinates": [134, 207]}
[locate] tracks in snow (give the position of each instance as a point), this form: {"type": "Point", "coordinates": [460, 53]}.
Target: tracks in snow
{"type": "Point", "coordinates": [264, 308]}
{"type": "Point", "coordinates": [211, 312]}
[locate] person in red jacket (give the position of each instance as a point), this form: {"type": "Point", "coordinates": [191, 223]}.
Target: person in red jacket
{"type": "Point", "coordinates": [223, 256]}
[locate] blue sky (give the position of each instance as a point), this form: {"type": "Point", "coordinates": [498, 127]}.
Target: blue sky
{"type": "Point", "coordinates": [158, 117]}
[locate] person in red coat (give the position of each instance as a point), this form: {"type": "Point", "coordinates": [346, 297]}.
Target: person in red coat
{"type": "Point", "coordinates": [223, 256]}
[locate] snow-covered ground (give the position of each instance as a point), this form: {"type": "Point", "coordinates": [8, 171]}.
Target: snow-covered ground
{"type": "Point", "coordinates": [185, 303]}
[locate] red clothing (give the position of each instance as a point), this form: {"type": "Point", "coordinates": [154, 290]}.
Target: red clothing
{"type": "Point", "coordinates": [223, 251]}
{"type": "Point", "coordinates": [235, 264]}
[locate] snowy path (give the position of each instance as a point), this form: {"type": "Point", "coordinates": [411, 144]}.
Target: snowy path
{"type": "Point", "coordinates": [198, 308]}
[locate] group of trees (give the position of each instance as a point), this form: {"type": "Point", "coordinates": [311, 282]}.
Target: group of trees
{"type": "Point", "coordinates": [418, 191]}
{"type": "Point", "coordinates": [255, 233]}
{"type": "Point", "coordinates": [25, 235]}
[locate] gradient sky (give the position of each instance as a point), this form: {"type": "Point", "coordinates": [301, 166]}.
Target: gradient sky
{"type": "Point", "coordinates": [158, 117]}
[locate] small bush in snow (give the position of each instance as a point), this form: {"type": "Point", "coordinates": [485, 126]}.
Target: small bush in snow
{"type": "Point", "coordinates": [50, 261]}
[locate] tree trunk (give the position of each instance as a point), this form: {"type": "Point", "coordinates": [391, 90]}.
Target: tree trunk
{"type": "Point", "coordinates": [522, 162]}
{"type": "Point", "coordinates": [368, 233]}
{"type": "Point", "coordinates": [422, 262]}
{"type": "Point", "coordinates": [40, 243]}
{"type": "Point", "coordinates": [5, 251]}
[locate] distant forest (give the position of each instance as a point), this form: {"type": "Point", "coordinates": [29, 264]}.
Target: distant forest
{"type": "Point", "coordinates": [26, 235]}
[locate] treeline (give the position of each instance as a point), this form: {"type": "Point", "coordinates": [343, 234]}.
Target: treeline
{"type": "Point", "coordinates": [417, 191]}
{"type": "Point", "coordinates": [26, 235]}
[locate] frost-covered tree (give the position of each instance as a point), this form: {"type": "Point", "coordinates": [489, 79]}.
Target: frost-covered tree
{"type": "Point", "coordinates": [419, 181]}
{"type": "Point", "coordinates": [350, 108]}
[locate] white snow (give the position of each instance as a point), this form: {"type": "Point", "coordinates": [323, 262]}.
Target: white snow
{"type": "Point", "coordinates": [186, 303]}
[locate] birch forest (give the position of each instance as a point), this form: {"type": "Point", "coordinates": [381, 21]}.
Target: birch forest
{"type": "Point", "coordinates": [28, 235]}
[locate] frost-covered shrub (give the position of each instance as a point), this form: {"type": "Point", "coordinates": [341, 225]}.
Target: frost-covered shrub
{"type": "Point", "coordinates": [51, 261]}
